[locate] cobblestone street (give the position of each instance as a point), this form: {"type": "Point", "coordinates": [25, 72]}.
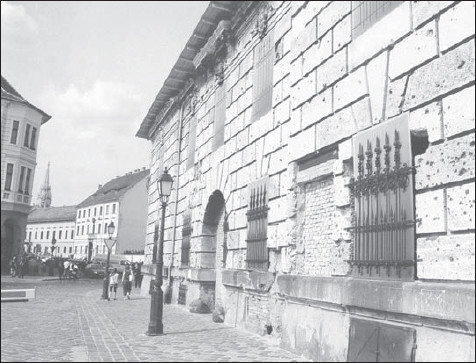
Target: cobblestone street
{"type": "Point", "coordinates": [69, 322]}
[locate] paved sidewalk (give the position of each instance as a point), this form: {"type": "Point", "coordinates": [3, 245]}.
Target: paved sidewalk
{"type": "Point", "coordinates": [69, 322]}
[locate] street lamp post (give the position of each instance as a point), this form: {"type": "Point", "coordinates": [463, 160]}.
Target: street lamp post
{"type": "Point", "coordinates": [109, 244]}
{"type": "Point", "coordinates": [164, 186]}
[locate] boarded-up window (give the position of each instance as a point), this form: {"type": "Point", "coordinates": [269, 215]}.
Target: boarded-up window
{"type": "Point", "coordinates": [367, 13]}
{"type": "Point", "coordinates": [186, 233]}
{"type": "Point", "coordinates": [219, 117]}
{"type": "Point", "coordinates": [376, 342]}
{"type": "Point", "coordinates": [191, 143]}
{"type": "Point", "coordinates": [263, 62]}
{"type": "Point", "coordinates": [257, 216]}
{"type": "Point", "coordinates": [383, 201]}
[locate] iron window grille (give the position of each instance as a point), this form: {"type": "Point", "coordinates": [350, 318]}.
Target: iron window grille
{"type": "Point", "coordinates": [383, 225]}
{"type": "Point", "coordinates": [367, 13]}
{"type": "Point", "coordinates": [257, 216]}
{"type": "Point", "coordinates": [186, 234]}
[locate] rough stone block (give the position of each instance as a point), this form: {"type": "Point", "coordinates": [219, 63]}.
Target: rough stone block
{"type": "Point", "coordinates": [295, 123]}
{"type": "Point", "coordinates": [425, 10]}
{"type": "Point", "coordinates": [460, 201]}
{"type": "Point", "coordinates": [458, 112]}
{"type": "Point", "coordinates": [341, 191]}
{"type": "Point", "coordinates": [305, 38]}
{"type": "Point", "coordinates": [277, 161]}
{"type": "Point", "coordinates": [261, 126]}
{"type": "Point", "coordinates": [296, 71]}
{"type": "Point", "coordinates": [345, 150]}
{"type": "Point", "coordinates": [282, 68]}
{"type": "Point", "coordinates": [446, 257]}
{"type": "Point", "coordinates": [277, 210]}
{"type": "Point", "coordinates": [428, 118]}
{"type": "Point", "coordinates": [303, 90]}
{"type": "Point", "coordinates": [272, 141]}
{"type": "Point", "coordinates": [422, 45]}
{"type": "Point", "coordinates": [317, 108]}
{"type": "Point", "coordinates": [361, 113]}
{"type": "Point", "coordinates": [302, 144]}
{"type": "Point", "coordinates": [335, 128]}
{"type": "Point", "coordinates": [342, 33]}
{"type": "Point", "coordinates": [388, 30]}
{"type": "Point", "coordinates": [450, 71]}
{"type": "Point", "coordinates": [318, 53]}
{"type": "Point", "coordinates": [430, 212]}
{"type": "Point", "coordinates": [329, 17]}
{"type": "Point", "coordinates": [282, 112]}
{"type": "Point", "coordinates": [350, 88]}
{"type": "Point", "coordinates": [456, 24]}
{"type": "Point", "coordinates": [445, 163]}
{"type": "Point", "coordinates": [332, 70]}
{"type": "Point", "coordinates": [395, 97]}
{"type": "Point", "coordinates": [377, 81]}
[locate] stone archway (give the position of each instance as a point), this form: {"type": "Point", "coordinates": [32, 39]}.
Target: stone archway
{"type": "Point", "coordinates": [214, 228]}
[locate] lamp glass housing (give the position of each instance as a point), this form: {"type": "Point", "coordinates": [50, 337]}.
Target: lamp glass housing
{"type": "Point", "coordinates": [164, 185]}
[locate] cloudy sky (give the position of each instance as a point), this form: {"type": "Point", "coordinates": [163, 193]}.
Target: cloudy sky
{"type": "Point", "coordinates": [95, 67]}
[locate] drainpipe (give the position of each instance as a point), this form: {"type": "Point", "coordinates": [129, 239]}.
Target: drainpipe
{"type": "Point", "coordinates": [176, 191]}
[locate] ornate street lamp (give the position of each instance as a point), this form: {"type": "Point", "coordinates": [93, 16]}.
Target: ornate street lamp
{"type": "Point", "coordinates": [164, 186]}
{"type": "Point", "coordinates": [109, 244]}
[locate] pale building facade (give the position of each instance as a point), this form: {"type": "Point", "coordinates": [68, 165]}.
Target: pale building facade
{"type": "Point", "coordinates": [21, 122]}
{"type": "Point", "coordinates": [45, 225]}
{"type": "Point", "coordinates": [323, 162]}
{"type": "Point", "coordinates": [122, 201]}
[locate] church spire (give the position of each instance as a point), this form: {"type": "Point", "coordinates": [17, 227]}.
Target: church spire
{"type": "Point", "coordinates": [45, 193]}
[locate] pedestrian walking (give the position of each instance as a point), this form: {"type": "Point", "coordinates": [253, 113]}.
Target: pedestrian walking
{"type": "Point", "coordinates": [137, 275]}
{"type": "Point", "coordinates": [13, 267]}
{"type": "Point", "coordinates": [21, 267]}
{"type": "Point", "coordinates": [127, 282]}
{"type": "Point", "coordinates": [74, 270]}
{"type": "Point", "coordinates": [113, 281]}
{"type": "Point", "coordinates": [60, 269]}
{"type": "Point", "coordinates": [66, 266]}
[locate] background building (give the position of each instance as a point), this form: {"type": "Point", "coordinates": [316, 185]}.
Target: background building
{"type": "Point", "coordinates": [47, 224]}
{"type": "Point", "coordinates": [20, 132]}
{"type": "Point", "coordinates": [323, 164]}
{"type": "Point", "coordinates": [123, 201]}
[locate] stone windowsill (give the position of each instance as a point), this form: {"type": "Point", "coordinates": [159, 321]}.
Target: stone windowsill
{"type": "Point", "coordinates": [248, 280]}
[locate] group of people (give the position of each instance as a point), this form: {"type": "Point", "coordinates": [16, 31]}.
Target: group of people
{"type": "Point", "coordinates": [17, 266]}
{"type": "Point", "coordinates": [131, 273]}
{"type": "Point", "coordinates": [67, 270]}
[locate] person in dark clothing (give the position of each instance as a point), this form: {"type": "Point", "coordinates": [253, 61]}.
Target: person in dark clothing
{"type": "Point", "coordinates": [60, 269]}
{"type": "Point", "coordinates": [137, 275]}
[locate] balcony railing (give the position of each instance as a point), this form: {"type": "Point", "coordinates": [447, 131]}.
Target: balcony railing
{"type": "Point", "coordinates": [14, 197]}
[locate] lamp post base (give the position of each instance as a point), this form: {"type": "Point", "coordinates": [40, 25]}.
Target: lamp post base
{"type": "Point", "coordinates": [105, 295]}
{"type": "Point", "coordinates": [156, 305]}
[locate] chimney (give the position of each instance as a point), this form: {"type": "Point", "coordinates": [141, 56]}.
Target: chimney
{"type": "Point", "coordinates": [99, 186]}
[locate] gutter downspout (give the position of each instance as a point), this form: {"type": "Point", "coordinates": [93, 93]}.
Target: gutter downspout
{"type": "Point", "coordinates": [179, 144]}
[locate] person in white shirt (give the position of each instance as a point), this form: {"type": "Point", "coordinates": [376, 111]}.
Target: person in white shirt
{"type": "Point", "coordinates": [66, 264]}
{"type": "Point", "coordinates": [113, 281]}
{"type": "Point", "coordinates": [127, 282]}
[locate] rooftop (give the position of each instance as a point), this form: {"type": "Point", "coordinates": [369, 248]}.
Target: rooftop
{"type": "Point", "coordinates": [10, 93]}
{"type": "Point", "coordinates": [115, 188]}
{"type": "Point", "coordinates": [52, 214]}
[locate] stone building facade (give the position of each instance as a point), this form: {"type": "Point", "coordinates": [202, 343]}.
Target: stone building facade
{"type": "Point", "coordinates": [323, 162]}
{"type": "Point", "coordinates": [21, 122]}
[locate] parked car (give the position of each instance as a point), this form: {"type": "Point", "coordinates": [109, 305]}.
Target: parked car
{"type": "Point", "coordinates": [95, 269]}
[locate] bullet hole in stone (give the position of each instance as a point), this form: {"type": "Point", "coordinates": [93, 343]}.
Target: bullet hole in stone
{"type": "Point", "coordinates": [427, 111]}
{"type": "Point", "coordinates": [471, 143]}
{"type": "Point", "coordinates": [429, 32]}
{"type": "Point", "coordinates": [269, 328]}
{"type": "Point", "coordinates": [419, 141]}
{"type": "Point", "coordinates": [466, 191]}
{"type": "Point", "coordinates": [462, 171]}
{"type": "Point", "coordinates": [452, 259]}
{"type": "Point", "coordinates": [461, 64]}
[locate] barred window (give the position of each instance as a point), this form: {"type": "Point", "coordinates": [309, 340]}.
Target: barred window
{"type": "Point", "coordinates": [383, 202]}
{"type": "Point", "coordinates": [257, 216]}
{"type": "Point", "coordinates": [367, 13]}
{"type": "Point", "coordinates": [263, 62]}
{"type": "Point", "coordinates": [186, 234]}
{"type": "Point", "coordinates": [219, 117]}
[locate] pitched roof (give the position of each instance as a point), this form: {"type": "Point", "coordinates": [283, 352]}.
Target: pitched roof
{"type": "Point", "coordinates": [52, 214]}
{"type": "Point", "coordinates": [10, 93]}
{"type": "Point", "coordinates": [114, 189]}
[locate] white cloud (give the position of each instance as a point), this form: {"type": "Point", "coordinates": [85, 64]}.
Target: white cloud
{"type": "Point", "coordinates": [19, 29]}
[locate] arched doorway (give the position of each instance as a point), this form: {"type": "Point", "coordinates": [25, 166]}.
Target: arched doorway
{"type": "Point", "coordinates": [214, 226]}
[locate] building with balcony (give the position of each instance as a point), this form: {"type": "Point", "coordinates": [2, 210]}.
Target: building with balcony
{"type": "Point", "coordinates": [324, 167]}
{"type": "Point", "coordinates": [20, 131]}
{"type": "Point", "coordinates": [51, 227]}
{"type": "Point", "coordinates": [122, 201]}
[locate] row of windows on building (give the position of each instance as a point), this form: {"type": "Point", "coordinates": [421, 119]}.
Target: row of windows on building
{"type": "Point", "coordinates": [29, 140]}
{"type": "Point", "coordinates": [65, 249]}
{"type": "Point", "coordinates": [82, 212]}
{"type": "Point", "coordinates": [46, 235]}
{"type": "Point", "coordinates": [80, 229]}
{"type": "Point", "coordinates": [23, 181]}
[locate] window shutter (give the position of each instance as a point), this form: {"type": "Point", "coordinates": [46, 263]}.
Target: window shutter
{"type": "Point", "coordinates": [220, 117]}
{"type": "Point", "coordinates": [186, 234]}
{"type": "Point", "coordinates": [263, 64]}
{"type": "Point", "coordinates": [191, 142]}
{"type": "Point", "coordinates": [383, 201]}
{"type": "Point", "coordinates": [367, 13]}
